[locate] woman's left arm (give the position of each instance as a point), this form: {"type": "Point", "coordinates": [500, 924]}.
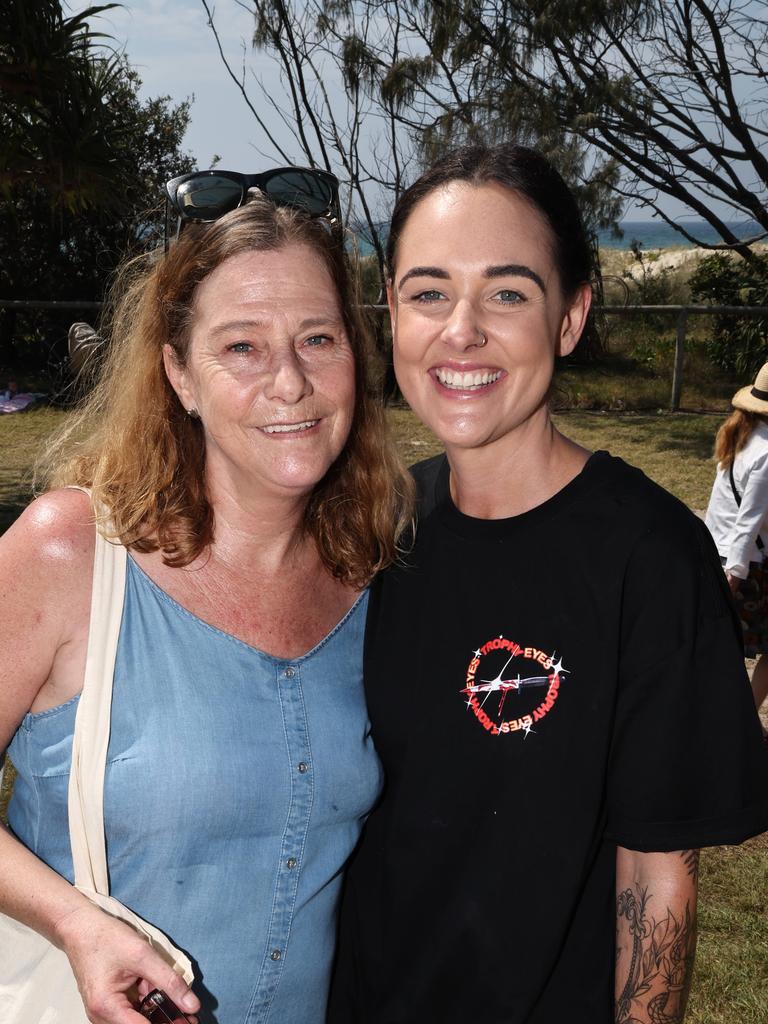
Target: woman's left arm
{"type": "Point", "coordinates": [655, 934]}
{"type": "Point", "coordinates": [749, 519]}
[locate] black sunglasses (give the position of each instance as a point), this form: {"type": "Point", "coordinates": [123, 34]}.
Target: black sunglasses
{"type": "Point", "coordinates": [208, 195]}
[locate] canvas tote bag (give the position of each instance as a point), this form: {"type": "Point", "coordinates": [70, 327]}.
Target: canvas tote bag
{"type": "Point", "coordinates": [37, 985]}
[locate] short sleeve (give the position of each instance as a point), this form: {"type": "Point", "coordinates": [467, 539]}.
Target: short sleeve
{"type": "Point", "coordinates": [688, 767]}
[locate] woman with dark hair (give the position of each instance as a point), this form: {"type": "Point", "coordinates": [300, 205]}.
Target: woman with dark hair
{"type": "Point", "coordinates": [554, 678]}
{"type": "Point", "coordinates": [737, 517]}
{"type": "Point", "coordinates": [235, 446]}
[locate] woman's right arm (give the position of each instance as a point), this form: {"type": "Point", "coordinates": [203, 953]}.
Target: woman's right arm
{"type": "Point", "coordinates": [46, 562]}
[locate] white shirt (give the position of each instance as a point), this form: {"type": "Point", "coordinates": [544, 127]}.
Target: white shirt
{"type": "Point", "coordinates": [735, 528]}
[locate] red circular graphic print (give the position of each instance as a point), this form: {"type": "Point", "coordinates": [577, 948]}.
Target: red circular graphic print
{"type": "Point", "coordinates": [502, 669]}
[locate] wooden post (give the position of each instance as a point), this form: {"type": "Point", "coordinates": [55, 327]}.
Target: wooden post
{"type": "Point", "coordinates": [677, 373]}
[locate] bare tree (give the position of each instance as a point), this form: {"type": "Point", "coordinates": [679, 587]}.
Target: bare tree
{"type": "Point", "coordinates": [673, 91]}
{"type": "Point", "coordinates": [329, 64]}
{"type": "Point", "coordinates": [634, 99]}
{"type": "Point", "coordinates": [374, 89]}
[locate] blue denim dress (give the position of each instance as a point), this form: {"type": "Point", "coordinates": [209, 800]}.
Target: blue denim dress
{"type": "Point", "coordinates": [236, 787]}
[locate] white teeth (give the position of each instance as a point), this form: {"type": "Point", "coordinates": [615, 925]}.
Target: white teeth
{"type": "Point", "coordinates": [466, 381]}
{"type": "Point", "coordinates": [288, 428]}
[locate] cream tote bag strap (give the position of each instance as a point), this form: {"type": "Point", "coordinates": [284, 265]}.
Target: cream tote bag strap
{"type": "Point", "coordinates": [92, 723]}
{"type": "Point", "coordinates": [36, 983]}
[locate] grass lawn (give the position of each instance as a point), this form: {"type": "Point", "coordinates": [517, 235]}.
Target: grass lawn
{"type": "Point", "coordinates": [22, 436]}
{"type": "Point", "coordinates": [731, 979]}
{"type": "Point", "coordinates": [730, 984]}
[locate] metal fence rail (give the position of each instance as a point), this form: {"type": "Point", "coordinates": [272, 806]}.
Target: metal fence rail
{"type": "Point", "coordinates": [42, 304]}
{"type": "Point", "coordinates": [681, 314]}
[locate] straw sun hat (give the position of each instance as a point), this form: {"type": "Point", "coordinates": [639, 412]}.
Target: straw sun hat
{"type": "Point", "coordinates": [754, 397]}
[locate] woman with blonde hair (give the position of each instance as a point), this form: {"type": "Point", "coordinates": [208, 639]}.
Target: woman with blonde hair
{"type": "Point", "coordinates": [737, 517]}
{"type": "Point", "coordinates": [234, 445]}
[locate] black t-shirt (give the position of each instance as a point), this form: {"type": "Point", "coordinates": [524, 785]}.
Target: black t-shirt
{"type": "Point", "coordinates": [541, 689]}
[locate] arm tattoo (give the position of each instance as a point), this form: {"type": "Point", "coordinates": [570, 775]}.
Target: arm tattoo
{"type": "Point", "coordinates": [691, 858]}
{"type": "Point", "coordinates": [661, 963]}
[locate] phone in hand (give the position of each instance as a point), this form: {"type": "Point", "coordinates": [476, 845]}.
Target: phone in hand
{"type": "Point", "coordinates": [158, 1009]}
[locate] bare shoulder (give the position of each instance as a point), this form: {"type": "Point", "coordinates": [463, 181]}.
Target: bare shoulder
{"type": "Point", "coordinates": [46, 561]}
{"type": "Point", "coordinates": [46, 564]}
{"type": "Point", "coordinates": [53, 537]}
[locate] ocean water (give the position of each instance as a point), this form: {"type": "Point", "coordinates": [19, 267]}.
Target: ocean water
{"type": "Point", "coordinates": [653, 234]}
{"type": "Point", "coordinates": [657, 234]}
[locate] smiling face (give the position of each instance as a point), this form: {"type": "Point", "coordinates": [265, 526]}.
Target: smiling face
{"type": "Point", "coordinates": [478, 314]}
{"type": "Point", "coordinates": [270, 371]}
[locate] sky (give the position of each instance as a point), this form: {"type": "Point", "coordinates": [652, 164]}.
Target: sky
{"type": "Point", "coordinates": [170, 45]}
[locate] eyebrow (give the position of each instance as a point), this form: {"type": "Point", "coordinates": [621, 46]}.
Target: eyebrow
{"type": "Point", "coordinates": [320, 321]}
{"type": "Point", "coordinates": [244, 325]}
{"type": "Point", "coordinates": [515, 270]}
{"type": "Point", "coordinates": [235, 325]}
{"type": "Point", "coordinates": [423, 272]}
{"type": "Point", "coordinates": [505, 270]}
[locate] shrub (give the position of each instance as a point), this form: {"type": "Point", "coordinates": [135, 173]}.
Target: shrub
{"type": "Point", "coordinates": [736, 343]}
{"type": "Point", "coordinates": [650, 285]}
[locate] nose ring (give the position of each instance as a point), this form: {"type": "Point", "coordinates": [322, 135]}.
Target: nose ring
{"type": "Point", "coordinates": [483, 340]}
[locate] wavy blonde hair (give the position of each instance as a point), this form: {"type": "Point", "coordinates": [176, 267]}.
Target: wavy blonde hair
{"type": "Point", "coordinates": [734, 434]}
{"type": "Point", "coordinates": [132, 442]}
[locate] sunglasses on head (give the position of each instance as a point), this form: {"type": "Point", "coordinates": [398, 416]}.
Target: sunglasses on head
{"type": "Point", "coordinates": [208, 195]}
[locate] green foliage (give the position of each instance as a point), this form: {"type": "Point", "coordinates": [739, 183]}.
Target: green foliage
{"type": "Point", "coordinates": [737, 343]}
{"type": "Point", "coordinates": [52, 114]}
{"type": "Point", "coordinates": [652, 351]}
{"type": "Point", "coordinates": [83, 161]}
{"type": "Point", "coordinates": [357, 63]}
{"type": "Point", "coordinates": [650, 336]}
{"type": "Point", "coordinates": [400, 83]}
{"type": "Point", "coordinates": [651, 285]}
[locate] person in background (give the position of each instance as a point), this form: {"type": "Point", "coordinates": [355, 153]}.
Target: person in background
{"type": "Point", "coordinates": [10, 391]}
{"type": "Point", "coordinates": [554, 678]}
{"type": "Point", "coordinates": [236, 445]}
{"type": "Point", "coordinates": [737, 517]}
